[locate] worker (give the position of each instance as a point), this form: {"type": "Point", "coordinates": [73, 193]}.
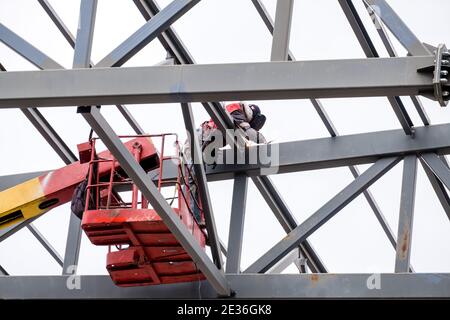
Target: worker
{"type": "Point", "coordinates": [245, 116]}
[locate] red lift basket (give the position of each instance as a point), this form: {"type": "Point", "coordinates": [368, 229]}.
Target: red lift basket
{"type": "Point", "coordinates": [142, 250]}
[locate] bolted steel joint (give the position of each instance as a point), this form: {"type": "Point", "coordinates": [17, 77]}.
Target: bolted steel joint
{"type": "Point", "coordinates": [441, 73]}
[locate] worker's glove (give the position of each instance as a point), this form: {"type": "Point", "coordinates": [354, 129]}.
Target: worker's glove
{"type": "Point", "coordinates": [244, 126]}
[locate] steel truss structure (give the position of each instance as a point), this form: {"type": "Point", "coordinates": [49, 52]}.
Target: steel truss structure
{"type": "Point", "coordinates": [424, 72]}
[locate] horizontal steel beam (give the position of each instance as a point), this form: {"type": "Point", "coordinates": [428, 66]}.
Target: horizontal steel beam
{"type": "Point", "coordinates": [199, 83]}
{"type": "Point", "coordinates": [306, 286]}
{"type": "Point", "coordinates": [336, 152]}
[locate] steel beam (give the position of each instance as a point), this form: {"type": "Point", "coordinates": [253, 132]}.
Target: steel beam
{"type": "Point", "coordinates": [200, 176]}
{"type": "Point", "coordinates": [282, 30]}
{"type": "Point", "coordinates": [439, 188]}
{"type": "Point", "coordinates": [293, 257]}
{"type": "Point", "coordinates": [58, 22]}
{"type": "Point", "coordinates": [9, 231]}
{"type": "Point", "coordinates": [3, 272]}
{"type": "Point", "coordinates": [173, 223]}
{"type": "Point", "coordinates": [50, 135]}
{"type": "Point", "coordinates": [370, 51]}
{"type": "Point", "coordinates": [237, 218]}
{"type": "Point", "coordinates": [85, 34]}
{"type": "Point", "coordinates": [398, 28]}
{"type": "Point", "coordinates": [147, 33]}
{"type": "Point", "coordinates": [191, 83]}
{"type": "Point", "coordinates": [273, 286]}
{"type": "Point", "coordinates": [81, 59]}
{"type": "Point", "coordinates": [325, 213]}
{"type": "Point", "coordinates": [405, 224]}
{"type": "Point", "coordinates": [26, 50]}
{"type": "Point", "coordinates": [393, 53]}
{"type": "Point", "coordinates": [438, 167]}
{"type": "Point", "coordinates": [52, 251]}
{"type": "Point", "coordinates": [335, 152]}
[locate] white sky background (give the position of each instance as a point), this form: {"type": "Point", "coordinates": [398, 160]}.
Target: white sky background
{"type": "Point", "coordinates": [219, 31]}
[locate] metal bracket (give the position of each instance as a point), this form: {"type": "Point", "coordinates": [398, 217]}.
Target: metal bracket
{"type": "Point", "coordinates": [441, 71]}
{"type": "Point", "coordinates": [440, 79]}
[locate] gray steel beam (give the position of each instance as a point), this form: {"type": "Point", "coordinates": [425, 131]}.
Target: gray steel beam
{"type": "Point", "coordinates": [370, 51]}
{"type": "Point", "coordinates": [237, 218]}
{"type": "Point", "coordinates": [200, 176]}
{"type": "Point", "coordinates": [398, 28]}
{"type": "Point", "coordinates": [173, 223]}
{"type": "Point", "coordinates": [287, 221]}
{"type": "Point", "coordinates": [321, 216]}
{"type": "Point", "coordinates": [340, 151]}
{"type": "Point", "coordinates": [273, 286]}
{"type": "Point", "coordinates": [392, 53]}
{"type": "Point", "coordinates": [335, 152]}
{"type": "Point", "coordinates": [52, 251]}
{"type": "Point", "coordinates": [58, 22]}
{"type": "Point", "coordinates": [191, 83]}
{"type": "Point", "coordinates": [3, 272]}
{"type": "Point", "coordinates": [81, 59]}
{"type": "Point", "coordinates": [438, 167]}
{"type": "Point", "coordinates": [147, 33]}
{"type": "Point", "coordinates": [9, 231]}
{"type": "Point", "coordinates": [130, 119]}
{"type": "Point", "coordinates": [282, 30]}
{"type": "Point", "coordinates": [405, 223]}
{"type": "Point", "coordinates": [439, 188]}
{"type": "Point", "coordinates": [85, 34]}
{"type": "Point", "coordinates": [50, 135]}
{"type": "Point", "coordinates": [26, 50]}
{"type": "Point", "coordinates": [292, 257]}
